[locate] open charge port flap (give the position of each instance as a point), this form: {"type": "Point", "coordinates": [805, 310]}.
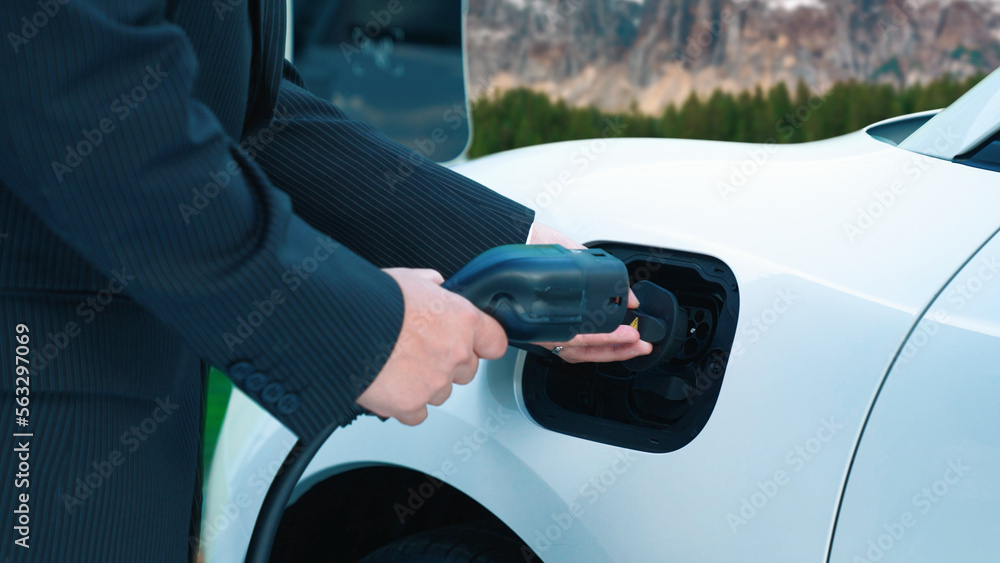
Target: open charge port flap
{"type": "Point", "coordinates": [648, 406]}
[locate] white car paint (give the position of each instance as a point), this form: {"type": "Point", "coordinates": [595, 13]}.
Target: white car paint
{"type": "Point", "coordinates": [838, 246]}
{"type": "Point", "coordinates": [924, 487]}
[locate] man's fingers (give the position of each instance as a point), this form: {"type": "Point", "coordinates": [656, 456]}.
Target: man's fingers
{"type": "Point", "coordinates": [413, 418]}
{"type": "Point", "coordinates": [544, 234]}
{"type": "Point", "coordinates": [428, 274]}
{"type": "Point", "coordinates": [613, 353]}
{"type": "Point", "coordinates": [440, 397]}
{"type": "Point", "coordinates": [465, 373]}
{"type": "Point", "coordinates": [490, 339]}
{"type": "Point", "coordinates": [633, 301]}
{"type": "Point", "coordinates": [423, 274]}
{"type": "Point", "coordinates": [432, 276]}
{"type": "Point", "coordinates": [622, 335]}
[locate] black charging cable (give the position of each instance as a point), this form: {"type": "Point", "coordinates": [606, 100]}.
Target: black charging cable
{"type": "Point", "coordinates": [536, 292]}
{"type": "Point", "coordinates": [279, 493]}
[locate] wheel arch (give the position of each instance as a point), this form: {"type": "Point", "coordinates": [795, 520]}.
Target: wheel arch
{"type": "Point", "coordinates": [391, 502]}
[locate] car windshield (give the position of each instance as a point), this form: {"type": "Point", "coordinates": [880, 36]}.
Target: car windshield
{"type": "Point", "coordinates": [963, 126]}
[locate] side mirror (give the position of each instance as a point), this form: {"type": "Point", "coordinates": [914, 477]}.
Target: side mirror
{"type": "Point", "coordinates": [396, 64]}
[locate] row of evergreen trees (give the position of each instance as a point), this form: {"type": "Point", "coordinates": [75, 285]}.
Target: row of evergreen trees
{"type": "Point", "coordinates": [518, 118]}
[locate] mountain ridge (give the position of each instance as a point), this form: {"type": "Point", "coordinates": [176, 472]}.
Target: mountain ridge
{"type": "Point", "coordinates": [613, 53]}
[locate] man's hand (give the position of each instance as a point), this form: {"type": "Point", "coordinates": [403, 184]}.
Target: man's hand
{"type": "Point", "coordinates": [622, 344]}
{"type": "Point", "coordinates": [442, 339]}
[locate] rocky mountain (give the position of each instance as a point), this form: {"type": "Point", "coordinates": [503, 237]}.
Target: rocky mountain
{"type": "Point", "coordinates": [610, 53]}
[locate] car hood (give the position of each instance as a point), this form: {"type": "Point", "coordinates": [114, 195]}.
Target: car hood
{"type": "Point", "coordinates": [851, 212]}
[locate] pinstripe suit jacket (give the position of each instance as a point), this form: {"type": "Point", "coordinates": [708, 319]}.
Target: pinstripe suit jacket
{"type": "Point", "coordinates": [170, 194]}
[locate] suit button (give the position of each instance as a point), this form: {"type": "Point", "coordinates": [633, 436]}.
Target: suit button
{"type": "Point", "coordinates": [240, 370]}
{"type": "Point", "coordinates": [257, 381]}
{"type": "Point", "coordinates": [272, 392]}
{"type": "Point", "coordinates": [288, 404]}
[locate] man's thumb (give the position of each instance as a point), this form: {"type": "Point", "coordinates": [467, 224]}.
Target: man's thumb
{"type": "Point", "coordinates": [432, 276]}
{"type": "Point", "coordinates": [425, 274]}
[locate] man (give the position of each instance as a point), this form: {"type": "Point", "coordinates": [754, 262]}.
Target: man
{"type": "Point", "coordinates": [142, 243]}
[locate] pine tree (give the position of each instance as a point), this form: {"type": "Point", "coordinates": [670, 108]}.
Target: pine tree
{"type": "Point", "coordinates": [522, 117]}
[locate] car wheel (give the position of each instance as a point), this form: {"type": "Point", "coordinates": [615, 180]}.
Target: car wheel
{"type": "Point", "coordinates": [453, 544]}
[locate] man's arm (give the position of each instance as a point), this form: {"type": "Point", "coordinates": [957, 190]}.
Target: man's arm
{"type": "Point", "coordinates": [300, 323]}
{"type": "Point", "coordinates": [397, 208]}
{"type": "Point", "coordinates": [386, 202]}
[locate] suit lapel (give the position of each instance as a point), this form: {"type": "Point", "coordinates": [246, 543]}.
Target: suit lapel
{"type": "Point", "coordinates": [267, 19]}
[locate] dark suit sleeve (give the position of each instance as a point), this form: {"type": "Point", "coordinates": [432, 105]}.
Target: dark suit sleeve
{"type": "Point", "coordinates": [386, 202]}
{"type": "Point", "coordinates": [102, 139]}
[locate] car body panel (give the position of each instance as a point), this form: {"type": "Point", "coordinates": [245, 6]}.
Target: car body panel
{"type": "Point", "coordinates": [830, 287]}
{"type": "Point", "coordinates": [930, 453]}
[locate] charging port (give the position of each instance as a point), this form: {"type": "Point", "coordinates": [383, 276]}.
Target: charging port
{"type": "Point", "coordinates": [655, 406]}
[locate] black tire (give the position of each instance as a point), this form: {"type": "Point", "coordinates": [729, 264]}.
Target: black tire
{"type": "Point", "coordinates": [453, 544]}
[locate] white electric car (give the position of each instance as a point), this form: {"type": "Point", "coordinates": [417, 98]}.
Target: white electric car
{"type": "Point", "coordinates": [837, 399]}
